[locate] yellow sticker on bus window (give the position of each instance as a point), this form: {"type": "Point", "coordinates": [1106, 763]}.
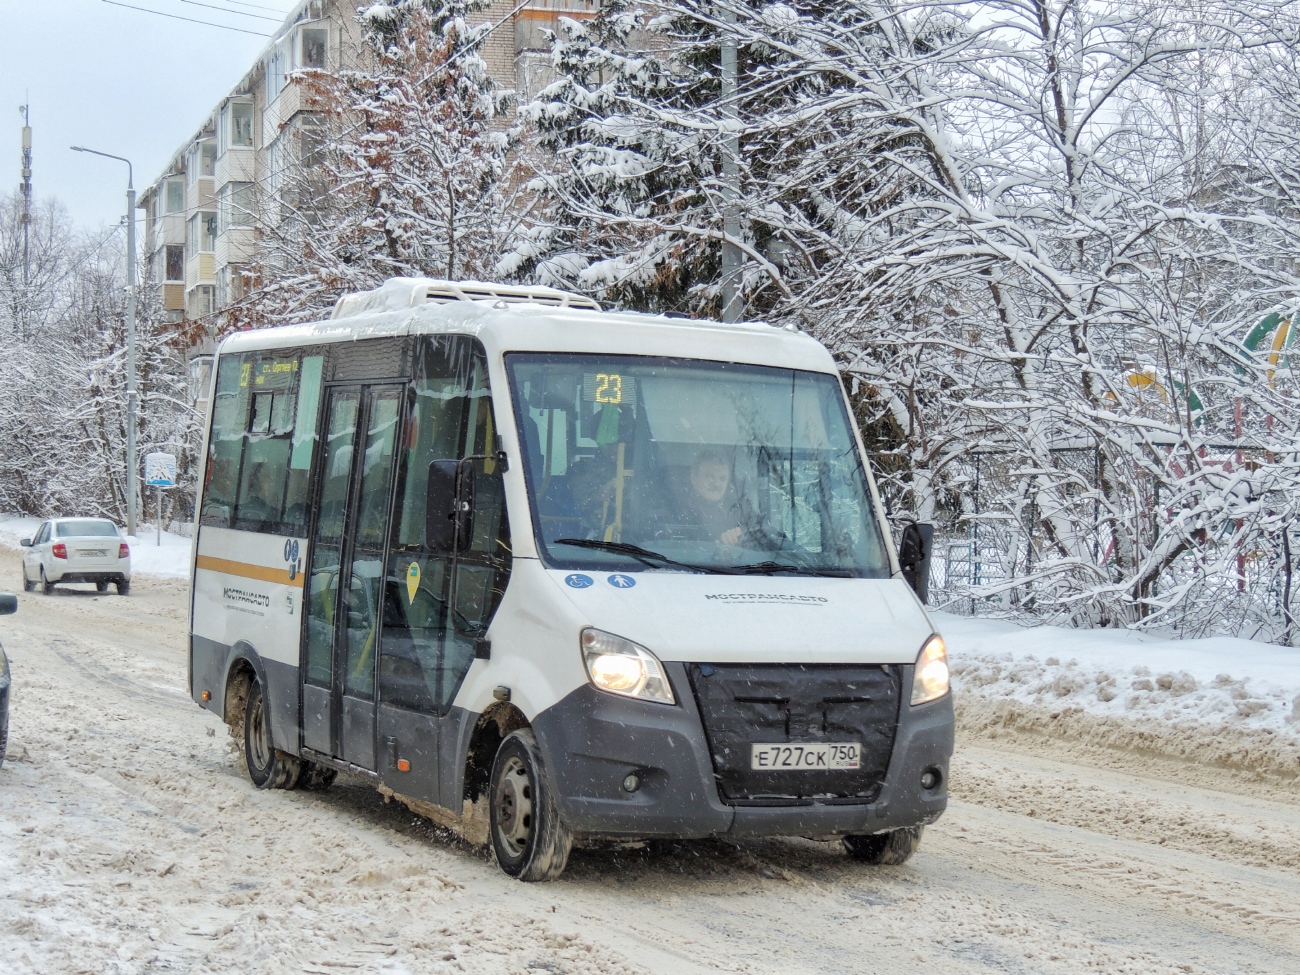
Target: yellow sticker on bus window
{"type": "Point", "coordinates": [412, 581]}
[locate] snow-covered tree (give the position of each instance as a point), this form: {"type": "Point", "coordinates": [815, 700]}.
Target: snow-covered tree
{"type": "Point", "coordinates": [405, 172]}
{"type": "Point", "coordinates": [1036, 237]}
{"type": "Point", "coordinates": [820, 128]}
{"type": "Point", "coordinates": [63, 402]}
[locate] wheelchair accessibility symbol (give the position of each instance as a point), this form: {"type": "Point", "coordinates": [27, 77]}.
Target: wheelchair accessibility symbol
{"type": "Point", "coordinates": [620, 581]}
{"type": "Point", "coordinates": [578, 581]}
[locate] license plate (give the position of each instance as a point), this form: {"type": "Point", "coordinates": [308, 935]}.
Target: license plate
{"type": "Point", "coordinates": [93, 553]}
{"type": "Point", "coordinates": [804, 757]}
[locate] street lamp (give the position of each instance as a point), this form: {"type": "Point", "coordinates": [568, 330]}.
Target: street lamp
{"type": "Point", "coordinates": [130, 333]}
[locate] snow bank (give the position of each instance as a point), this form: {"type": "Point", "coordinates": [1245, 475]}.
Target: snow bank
{"type": "Point", "coordinates": [171, 559]}
{"type": "Point", "coordinates": [1230, 701]}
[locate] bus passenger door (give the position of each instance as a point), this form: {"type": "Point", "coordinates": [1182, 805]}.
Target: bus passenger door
{"type": "Point", "coordinates": [345, 578]}
{"type": "Point", "coordinates": [438, 603]}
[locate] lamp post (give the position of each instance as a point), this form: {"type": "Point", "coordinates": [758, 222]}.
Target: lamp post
{"type": "Point", "coordinates": [130, 334]}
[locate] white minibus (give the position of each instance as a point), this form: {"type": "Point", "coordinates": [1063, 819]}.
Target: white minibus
{"type": "Point", "coordinates": [547, 573]}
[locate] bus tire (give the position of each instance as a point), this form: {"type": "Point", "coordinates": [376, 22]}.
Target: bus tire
{"type": "Point", "coordinates": [268, 767]}
{"type": "Point", "coordinates": [887, 849]}
{"type": "Point", "coordinates": [530, 841]}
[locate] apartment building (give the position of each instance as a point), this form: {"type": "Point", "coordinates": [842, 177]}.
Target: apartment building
{"type": "Point", "coordinates": [203, 211]}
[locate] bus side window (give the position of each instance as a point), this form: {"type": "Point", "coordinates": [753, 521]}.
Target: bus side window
{"type": "Point", "coordinates": [303, 445]}
{"type": "Point", "coordinates": [226, 440]}
{"type": "Point", "coordinates": [278, 442]}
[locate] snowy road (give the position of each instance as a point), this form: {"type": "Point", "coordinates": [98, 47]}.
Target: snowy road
{"type": "Point", "coordinates": [131, 841]}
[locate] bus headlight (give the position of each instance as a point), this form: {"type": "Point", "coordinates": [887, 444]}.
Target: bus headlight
{"type": "Point", "coordinates": [931, 678]}
{"type": "Point", "coordinates": [620, 666]}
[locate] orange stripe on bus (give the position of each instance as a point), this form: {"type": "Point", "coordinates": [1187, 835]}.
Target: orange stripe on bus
{"type": "Point", "coordinates": [249, 571]}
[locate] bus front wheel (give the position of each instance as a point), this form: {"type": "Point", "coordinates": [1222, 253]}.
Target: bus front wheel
{"type": "Point", "coordinates": [268, 767]}
{"type": "Point", "coordinates": [530, 842]}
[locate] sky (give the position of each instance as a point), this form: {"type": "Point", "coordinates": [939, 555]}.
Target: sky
{"type": "Point", "coordinates": [118, 80]}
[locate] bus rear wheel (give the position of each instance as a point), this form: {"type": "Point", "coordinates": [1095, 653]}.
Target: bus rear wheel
{"type": "Point", "coordinates": [268, 767]}
{"type": "Point", "coordinates": [530, 841]}
{"type": "Point", "coordinates": [887, 849]}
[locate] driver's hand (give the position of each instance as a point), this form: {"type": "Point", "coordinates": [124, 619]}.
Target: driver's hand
{"type": "Point", "coordinates": [731, 536]}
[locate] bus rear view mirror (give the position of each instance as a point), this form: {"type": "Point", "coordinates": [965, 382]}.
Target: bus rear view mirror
{"type": "Point", "coordinates": [440, 507]}
{"type": "Point", "coordinates": [914, 548]}
{"type": "Point", "coordinates": [449, 506]}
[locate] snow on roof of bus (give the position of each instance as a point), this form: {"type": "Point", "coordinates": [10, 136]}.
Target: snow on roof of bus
{"type": "Point", "coordinates": [399, 293]}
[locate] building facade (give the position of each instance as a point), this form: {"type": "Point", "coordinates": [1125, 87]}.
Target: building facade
{"type": "Point", "coordinates": [201, 212]}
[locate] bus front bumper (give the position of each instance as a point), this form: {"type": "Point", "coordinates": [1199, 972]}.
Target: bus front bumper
{"type": "Point", "coordinates": [593, 742]}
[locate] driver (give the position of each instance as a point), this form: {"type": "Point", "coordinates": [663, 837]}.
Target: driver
{"type": "Point", "coordinates": [713, 504]}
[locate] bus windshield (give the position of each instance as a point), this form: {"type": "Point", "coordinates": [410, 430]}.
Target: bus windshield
{"type": "Point", "coordinates": [637, 462]}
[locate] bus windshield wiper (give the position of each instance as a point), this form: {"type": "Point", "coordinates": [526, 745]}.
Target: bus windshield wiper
{"type": "Point", "coordinates": [771, 568]}
{"type": "Point", "coordinates": [643, 555]}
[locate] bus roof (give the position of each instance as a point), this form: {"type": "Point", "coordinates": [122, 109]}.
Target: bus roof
{"type": "Point", "coordinates": [508, 318]}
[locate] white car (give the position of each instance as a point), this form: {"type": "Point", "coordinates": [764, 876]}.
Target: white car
{"type": "Point", "coordinates": [77, 550]}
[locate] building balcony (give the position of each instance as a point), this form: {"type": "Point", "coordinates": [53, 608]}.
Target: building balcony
{"type": "Point", "coordinates": [201, 194]}
{"type": "Point", "coordinates": [292, 100]}
{"type": "Point", "coordinates": [200, 269]}
{"type": "Point", "coordinates": [234, 246]}
{"type": "Point", "coordinates": [169, 229]}
{"type": "Point", "coordinates": [238, 164]}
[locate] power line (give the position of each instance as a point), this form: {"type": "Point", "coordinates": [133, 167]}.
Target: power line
{"type": "Point", "coordinates": [234, 13]}
{"type": "Point", "coordinates": [206, 23]}
{"type": "Point", "coordinates": [258, 6]}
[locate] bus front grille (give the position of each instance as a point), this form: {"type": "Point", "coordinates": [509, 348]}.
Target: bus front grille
{"type": "Point", "coordinates": [746, 704]}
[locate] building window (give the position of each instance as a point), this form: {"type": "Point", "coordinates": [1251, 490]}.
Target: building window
{"type": "Point", "coordinates": [230, 285]}
{"type": "Point", "coordinates": [203, 233]}
{"type": "Point", "coordinates": [312, 140]}
{"type": "Point", "coordinates": [235, 206]}
{"type": "Point", "coordinates": [175, 192]}
{"type": "Point", "coordinates": [275, 72]}
{"type": "Point", "coordinates": [236, 127]}
{"type": "Point", "coordinates": [315, 47]}
{"type": "Point", "coordinates": [208, 160]}
{"type": "Point", "coordinates": [241, 124]}
{"type": "Point", "coordinates": [175, 263]}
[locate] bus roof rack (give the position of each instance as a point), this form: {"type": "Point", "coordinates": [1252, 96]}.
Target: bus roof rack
{"type": "Point", "coordinates": [399, 293]}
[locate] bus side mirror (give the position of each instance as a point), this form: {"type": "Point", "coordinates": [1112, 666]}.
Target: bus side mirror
{"type": "Point", "coordinates": [465, 506]}
{"type": "Point", "coordinates": [8, 603]}
{"type": "Point", "coordinates": [449, 506]}
{"type": "Point", "coordinates": [914, 549]}
{"type": "Point", "coordinates": [440, 504]}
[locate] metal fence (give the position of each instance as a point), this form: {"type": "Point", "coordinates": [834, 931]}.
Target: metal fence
{"type": "Point", "coordinates": [984, 546]}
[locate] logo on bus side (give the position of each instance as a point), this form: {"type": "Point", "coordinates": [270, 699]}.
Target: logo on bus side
{"type": "Point", "coordinates": [578, 580]}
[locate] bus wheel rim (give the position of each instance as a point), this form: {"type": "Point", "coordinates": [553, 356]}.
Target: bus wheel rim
{"type": "Point", "coordinates": [261, 747]}
{"type": "Point", "coordinates": [514, 807]}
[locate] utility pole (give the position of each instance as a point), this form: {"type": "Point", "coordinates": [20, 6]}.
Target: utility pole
{"type": "Point", "coordinates": [131, 472]}
{"type": "Point", "coordinates": [26, 218]}
{"type": "Point", "coordinates": [731, 253]}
